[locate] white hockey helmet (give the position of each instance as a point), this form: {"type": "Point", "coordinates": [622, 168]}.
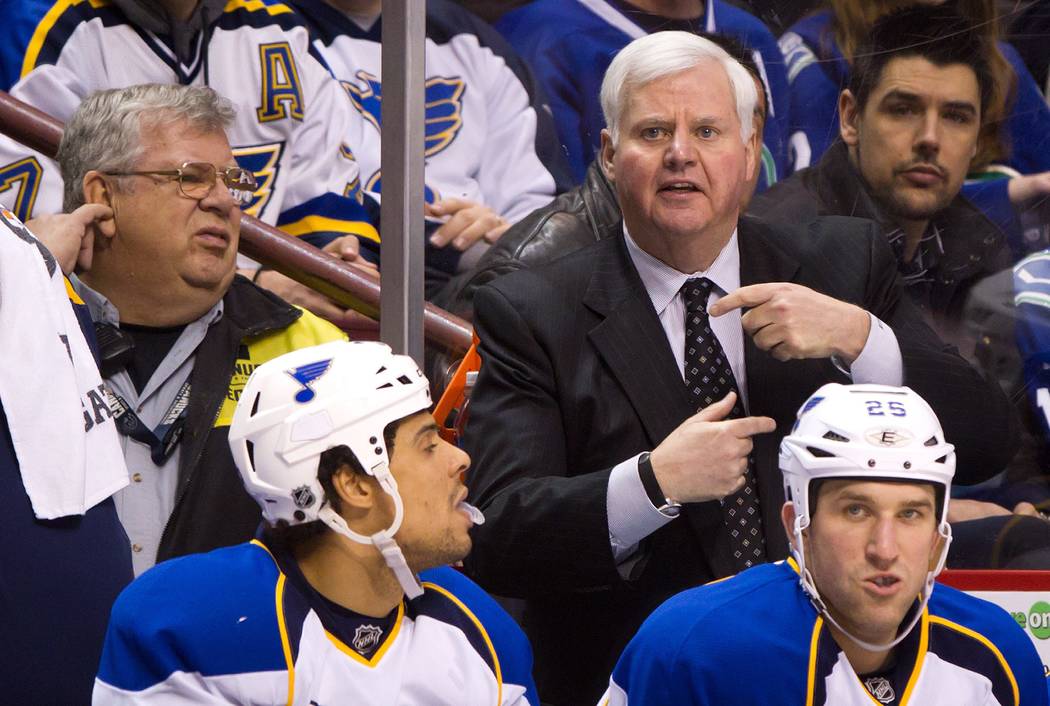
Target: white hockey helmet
{"type": "Point", "coordinates": [300, 404]}
{"type": "Point", "coordinates": [875, 432]}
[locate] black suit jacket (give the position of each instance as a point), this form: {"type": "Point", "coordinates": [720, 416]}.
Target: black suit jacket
{"type": "Point", "coordinates": [577, 375]}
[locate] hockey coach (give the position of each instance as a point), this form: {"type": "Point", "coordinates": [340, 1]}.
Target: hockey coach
{"type": "Point", "coordinates": [625, 422]}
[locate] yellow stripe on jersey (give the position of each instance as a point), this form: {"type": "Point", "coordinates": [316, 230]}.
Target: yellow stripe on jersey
{"type": "Point", "coordinates": [36, 43]}
{"type": "Point", "coordinates": [814, 642]}
{"type": "Point", "coordinates": [920, 657]}
{"type": "Point", "coordinates": [350, 652]}
{"type": "Point", "coordinates": [286, 645]}
{"type": "Point", "coordinates": [987, 643]}
{"type": "Point", "coordinates": [72, 293]}
{"type": "Point", "coordinates": [481, 629]}
{"type": "Point", "coordinates": [257, 6]}
{"type": "Point", "coordinates": [313, 224]}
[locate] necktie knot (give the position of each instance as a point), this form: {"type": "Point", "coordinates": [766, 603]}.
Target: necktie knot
{"type": "Point", "coordinates": [696, 292]}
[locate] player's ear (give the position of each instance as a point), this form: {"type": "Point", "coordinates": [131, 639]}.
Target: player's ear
{"type": "Point", "coordinates": [98, 190]}
{"type": "Point", "coordinates": [355, 490]}
{"type": "Point", "coordinates": [787, 518]}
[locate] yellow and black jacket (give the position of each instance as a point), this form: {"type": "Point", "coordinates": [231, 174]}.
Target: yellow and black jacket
{"type": "Point", "coordinates": [212, 508]}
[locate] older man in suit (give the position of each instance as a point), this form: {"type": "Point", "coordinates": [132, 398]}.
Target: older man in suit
{"type": "Point", "coordinates": [605, 488]}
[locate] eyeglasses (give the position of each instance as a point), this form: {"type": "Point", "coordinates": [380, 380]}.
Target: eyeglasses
{"type": "Point", "coordinates": [196, 180]}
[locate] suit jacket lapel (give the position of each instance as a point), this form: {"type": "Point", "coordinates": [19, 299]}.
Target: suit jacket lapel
{"type": "Point", "coordinates": [632, 342]}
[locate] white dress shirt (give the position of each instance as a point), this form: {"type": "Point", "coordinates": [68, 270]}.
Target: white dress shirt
{"type": "Point", "coordinates": [632, 517]}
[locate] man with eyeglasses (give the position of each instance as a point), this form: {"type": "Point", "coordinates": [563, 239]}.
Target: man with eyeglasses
{"type": "Point", "coordinates": [179, 331]}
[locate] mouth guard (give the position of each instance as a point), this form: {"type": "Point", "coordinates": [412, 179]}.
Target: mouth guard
{"type": "Point", "coordinates": [476, 516]}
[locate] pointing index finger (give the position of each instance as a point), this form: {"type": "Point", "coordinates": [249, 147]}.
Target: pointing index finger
{"type": "Point", "coordinates": [751, 295]}
{"type": "Point", "coordinates": [751, 426]}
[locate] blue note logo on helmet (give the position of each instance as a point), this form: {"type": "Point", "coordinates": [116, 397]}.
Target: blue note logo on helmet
{"type": "Point", "coordinates": [306, 374]}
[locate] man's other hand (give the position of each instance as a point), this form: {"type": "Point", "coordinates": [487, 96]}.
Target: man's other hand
{"type": "Point", "coordinates": [71, 236]}
{"type": "Point", "coordinates": [1027, 187]}
{"type": "Point", "coordinates": [962, 510]}
{"type": "Point", "coordinates": [299, 294]}
{"type": "Point", "coordinates": [468, 222]}
{"type": "Point", "coordinates": [791, 321]}
{"type": "Point", "coordinates": [706, 456]}
{"type": "Point", "coordinates": [348, 249]}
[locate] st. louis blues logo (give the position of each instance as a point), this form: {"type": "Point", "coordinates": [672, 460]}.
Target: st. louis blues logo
{"type": "Point", "coordinates": [444, 106]}
{"type": "Point", "coordinates": [305, 375]}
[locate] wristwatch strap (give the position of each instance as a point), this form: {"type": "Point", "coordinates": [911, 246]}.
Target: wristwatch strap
{"type": "Point", "coordinates": [664, 505]}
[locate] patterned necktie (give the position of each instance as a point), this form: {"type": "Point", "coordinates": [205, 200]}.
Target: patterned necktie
{"type": "Point", "coordinates": [709, 378]}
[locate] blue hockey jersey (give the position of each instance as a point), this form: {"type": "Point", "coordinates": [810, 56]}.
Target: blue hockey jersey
{"type": "Point", "coordinates": [817, 72]}
{"type": "Point", "coordinates": [570, 43]}
{"type": "Point", "coordinates": [1032, 301]}
{"type": "Point", "coordinates": [242, 625]}
{"type": "Point", "coordinates": [756, 640]}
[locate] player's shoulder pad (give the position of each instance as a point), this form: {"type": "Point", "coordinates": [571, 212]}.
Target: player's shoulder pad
{"type": "Point", "coordinates": [261, 13]}
{"type": "Point", "coordinates": [978, 634]}
{"type": "Point", "coordinates": [453, 598]}
{"type": "Point", "coordinates": [733, 20]}
{"type": "Point", "coordinates": [546, 22]}
{"type": "Point", "coordinates": [37, 30]}
{"type": "Point", "coordinates": [211, 613]}
{"type": "Point", "coordinates": [720, 613]}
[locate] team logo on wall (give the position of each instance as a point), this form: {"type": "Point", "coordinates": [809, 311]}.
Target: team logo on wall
{"type": "Point", "coordinates": [303, 497]}
{"type": "Point", "coordinates": [366, 637]}
{"type": "Point", "coordinates": [881, 689]}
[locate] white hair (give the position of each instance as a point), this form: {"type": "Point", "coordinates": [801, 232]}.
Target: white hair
{"type": "Point", "coordinates": [106, 131]}
{"type": "Point", "coordinates": [661, 54]}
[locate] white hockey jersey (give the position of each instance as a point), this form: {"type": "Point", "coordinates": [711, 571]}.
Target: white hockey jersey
{"type": "Point", "coordinates": [294, 123]}
{"type": "Point", "coordinates": [241, 625]}
{"type": "Point", "coordinates": [490, 137]}
{"type": "Point", "coordinates": [756, 640]}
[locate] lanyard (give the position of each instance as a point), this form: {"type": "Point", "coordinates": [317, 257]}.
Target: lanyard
{"type": "Point", "coordinates": [162, 440]}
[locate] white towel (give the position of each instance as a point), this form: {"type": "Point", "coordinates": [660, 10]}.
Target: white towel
{"type": "Point", "coordinates": [52, 393]}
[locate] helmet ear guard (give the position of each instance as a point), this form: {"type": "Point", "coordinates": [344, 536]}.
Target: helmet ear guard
{"type": "Point", "coordinates": [860, 432]}
{"type": "Point", "coordinates": [298, 405]}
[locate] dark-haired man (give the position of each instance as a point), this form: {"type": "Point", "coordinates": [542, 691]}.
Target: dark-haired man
{"type": "Point", "coordinates": [359, 495]}
{"type": "Point", "coordinates": [909, 126]}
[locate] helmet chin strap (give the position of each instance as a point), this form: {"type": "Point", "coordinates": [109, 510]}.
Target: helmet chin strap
{"type": "Point", "coordinates": [384, 539]}
{"type": "Point", "coordinates": [810, 587]}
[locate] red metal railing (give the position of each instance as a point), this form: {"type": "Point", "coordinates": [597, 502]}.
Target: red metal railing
{"type": "Point", "coordinates": [265, 244]}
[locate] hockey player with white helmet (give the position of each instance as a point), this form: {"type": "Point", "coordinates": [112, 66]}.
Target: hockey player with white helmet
{"type": "Point", "coordinates": [345, 596]}
{"type": "Point", "coordinates": [855, 617]}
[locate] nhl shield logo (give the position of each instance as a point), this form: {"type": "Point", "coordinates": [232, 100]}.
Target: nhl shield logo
{"type": "Point", "coordinates": [881, 689]}
{"type": "Point", "coordinates": [303, 497]}
{"type": "Point", "coordinates": [366, 637]}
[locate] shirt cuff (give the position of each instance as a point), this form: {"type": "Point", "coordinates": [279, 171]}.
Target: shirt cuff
{"type": "Point", "coordinates": [880, 361]}
{"type": "Point", "coordinates": [632, 516]}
